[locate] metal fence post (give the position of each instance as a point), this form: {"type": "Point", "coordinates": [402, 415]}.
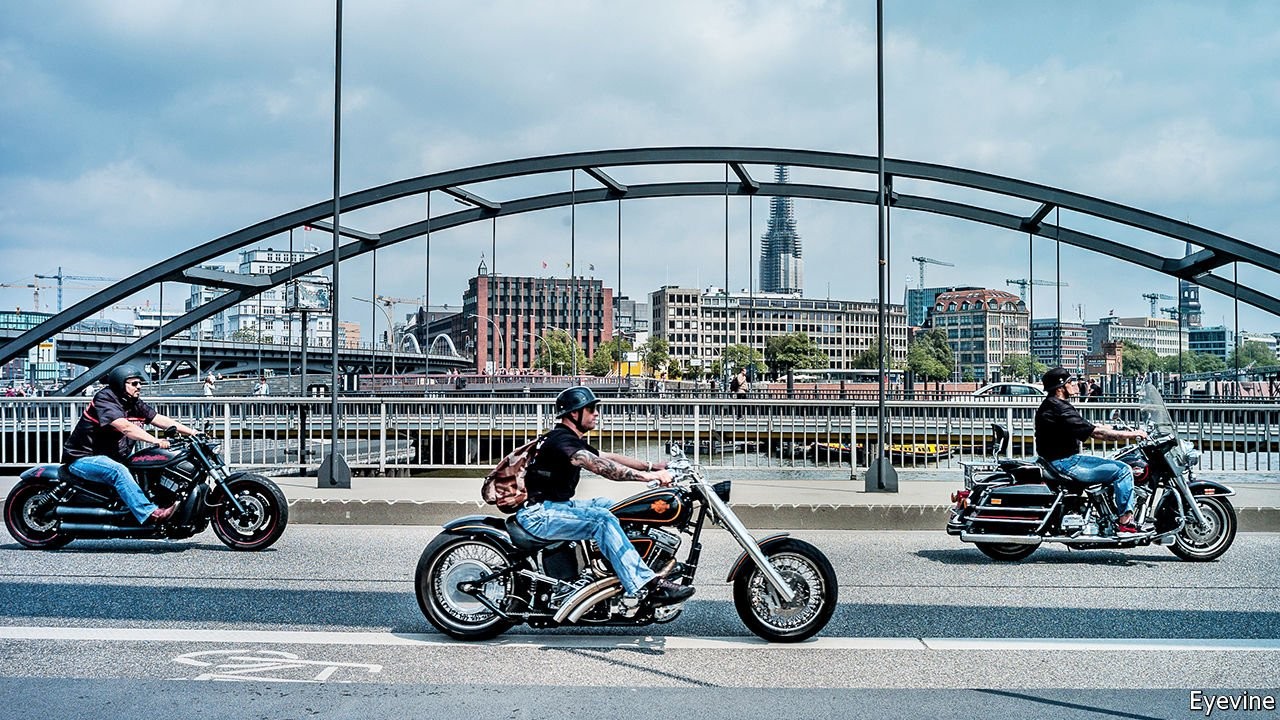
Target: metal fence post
{"type": "Point", "coordinates": [382, 438]}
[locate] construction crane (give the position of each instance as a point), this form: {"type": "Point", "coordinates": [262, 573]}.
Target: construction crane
{"type": "Point", "coordinates": [60, 277]}
{"type": "Point", "coordinates": [1022, 284]}
{"type": "Point", "coordinates": [37, 287]}
{"type": "Point", "coordinates": [1155, 299]}
{"type": "Point", "coordinates": [922, 261]}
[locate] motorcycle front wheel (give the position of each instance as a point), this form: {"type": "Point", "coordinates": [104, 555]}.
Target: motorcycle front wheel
{"type": "Point", "coordinates": [448, 561]}
{"type": "Point", "coordinates": [809, 575]}
{"type": "Point", "coordinates": [1199, 544]}
{"type": "Point", "coordinates": [263, 517]}
{"type": "Point", "coordinates": [28, 515]}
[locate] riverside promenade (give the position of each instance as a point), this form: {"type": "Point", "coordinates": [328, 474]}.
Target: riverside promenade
{"type": "Point", "coordinates": [763, 504]}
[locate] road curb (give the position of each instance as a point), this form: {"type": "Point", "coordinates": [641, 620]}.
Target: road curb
{"type": "Point", "coordinates": [755, 517]}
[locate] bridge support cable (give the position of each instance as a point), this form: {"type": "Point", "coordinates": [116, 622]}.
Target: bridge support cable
{"type": "Point", "coordinates": [1218, 249]}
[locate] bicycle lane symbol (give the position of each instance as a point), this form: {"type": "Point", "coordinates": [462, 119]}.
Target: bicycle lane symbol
{"type": "Point", "coordinates": [267, 666]}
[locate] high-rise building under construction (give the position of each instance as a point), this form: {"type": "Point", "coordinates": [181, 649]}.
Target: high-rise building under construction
{"type": "Point", "coordinates": [781, 265]}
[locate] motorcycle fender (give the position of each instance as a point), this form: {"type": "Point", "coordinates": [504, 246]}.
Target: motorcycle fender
{"type": "Point", "coordinates": [1209, 487]}
{"type": "Point", "coordinates": [483, 525]}
{"type": "Point", "coordinates": [744, 562]}
{"type": "Point", "coordinates": [42, 472]}
{"type": "Point", "coordinates": [218, 492]}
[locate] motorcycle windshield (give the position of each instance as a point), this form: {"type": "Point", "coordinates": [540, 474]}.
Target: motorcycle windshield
{"type": "Point", "coordinates": [1155, 412]}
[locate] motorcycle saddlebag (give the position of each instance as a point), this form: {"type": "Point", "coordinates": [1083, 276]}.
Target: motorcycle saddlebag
{"type": "Point", "coordinates": [1021, 496]}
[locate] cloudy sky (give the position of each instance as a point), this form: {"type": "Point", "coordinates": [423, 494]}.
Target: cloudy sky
{"type": "Point", "coordinates": [131, 130]}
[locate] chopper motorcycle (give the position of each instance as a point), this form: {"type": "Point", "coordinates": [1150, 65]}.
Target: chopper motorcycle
{"type": "Point", "coordinates": [483, 575]}
{"type": "Point", "coordinates": [50, 507]}
{"type": "Point", "coordinates": [1009, 513]}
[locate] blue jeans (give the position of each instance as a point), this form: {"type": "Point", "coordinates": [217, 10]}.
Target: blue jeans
{"type": "Point", "coordinates": [1091, 469]}
{"type": "Point", "coordinates": [589, 520]}
{"type": "Point", "coordinates": [102, 469]}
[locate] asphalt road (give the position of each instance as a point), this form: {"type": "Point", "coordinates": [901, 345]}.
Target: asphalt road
{"type": "Point", "coordinates": [325, 624]}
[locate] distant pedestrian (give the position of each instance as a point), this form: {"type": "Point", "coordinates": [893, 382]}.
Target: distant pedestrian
{"type": "Point", "coordinates": [1095, 388]}
{"type": "Point", "coordinates": [738, 385]}
{"type": "Point", "coordinates": [208, 385]}
{"type": "Point", "coordinates": [261, 389]}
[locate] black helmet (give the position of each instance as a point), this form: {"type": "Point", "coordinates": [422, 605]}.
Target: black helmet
{"type": "Point", "coordinates": [1055, 378]}
{"type": "Point", "coordinates": [117, 377]}
{"type": "Point", "coordinates": [574, 399]}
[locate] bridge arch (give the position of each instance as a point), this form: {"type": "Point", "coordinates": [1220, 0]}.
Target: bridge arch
{"type": "Point", "coordinates": [1218, 249]}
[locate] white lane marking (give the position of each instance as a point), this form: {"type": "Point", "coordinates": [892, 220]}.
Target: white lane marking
{"type": "Point", "coordinates": [648, 642]}
{"type": "Point", "coordinates": [249, 666]}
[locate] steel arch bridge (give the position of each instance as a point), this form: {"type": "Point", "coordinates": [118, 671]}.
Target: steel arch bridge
{"type": "Point", "coordinates": [1218, 249]}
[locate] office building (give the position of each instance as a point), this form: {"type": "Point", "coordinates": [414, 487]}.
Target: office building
{"type": "Point", "coordinates": [699, 324]}
{"type": "Point", "coordinates": [1062, 344]}
{"type": "Point", "coordinates": [984, 328]}
{"type": "Point", "coordinates": [1161, 335]}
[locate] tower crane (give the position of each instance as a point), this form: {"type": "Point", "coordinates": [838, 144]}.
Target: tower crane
{"type": "Point", "coordinates": [1022, 284]}
{"type": "Point", "coordinates": [37, 287]}
{"type": "Point", "coordinates": [1155, 298]}
{"type": "Point", "coordinates": [60, 277]}
{"type": "Point", "coordinates": [922, 261]}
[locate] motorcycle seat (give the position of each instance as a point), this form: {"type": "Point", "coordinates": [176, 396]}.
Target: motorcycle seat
{"type": "Point", "coordinates": [1039, 470]}
{"type": "Point", "coordinates": [1055, 478]}
{"type": "Point", "coordinates": [525, 540]}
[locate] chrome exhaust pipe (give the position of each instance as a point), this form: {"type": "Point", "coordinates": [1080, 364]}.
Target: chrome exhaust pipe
{"type": "Point", "coordinates": [106, 530]}
{"type": "Point", "coordinates": [72, 511]}
{"type": "Point", "coordinates": [581, 601]}
{"type": "Point", "coordinates": [1004, 539]}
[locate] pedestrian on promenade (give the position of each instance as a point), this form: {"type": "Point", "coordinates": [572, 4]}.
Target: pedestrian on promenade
{"type": "Point", "coordinates": [261, 389]}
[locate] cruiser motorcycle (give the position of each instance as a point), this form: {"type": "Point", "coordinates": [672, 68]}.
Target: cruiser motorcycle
{"type": "Point", "coordinates": [483, 575]}
{"type": "Point", "coordinates": [1009, 513]}
{"type": "Point", "coordinates": [50, 507]}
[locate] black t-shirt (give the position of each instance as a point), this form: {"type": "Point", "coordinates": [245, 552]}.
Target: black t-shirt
{"type": "Point", "coordinates": [552, 476]}
{"type": "Point", "coordinates": [1060, 429]}
{"type": "Point", "coordinates": [93, 434]}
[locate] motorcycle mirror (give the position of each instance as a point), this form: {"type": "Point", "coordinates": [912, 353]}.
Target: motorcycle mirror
{"type": "Point", "coordinates": [1115, 415]}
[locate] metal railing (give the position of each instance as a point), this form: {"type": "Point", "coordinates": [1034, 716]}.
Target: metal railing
{"type": "Point", "coordinates": [809, 439]}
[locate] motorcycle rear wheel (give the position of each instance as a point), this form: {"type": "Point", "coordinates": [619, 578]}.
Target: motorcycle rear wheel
{"type": "Point", "coordinates": [1006, 552]}
{"type": "Point", "coordinates": [25, 519]}
{"type": "Point", "coordinates": [266, 513]}
{"type": "Point", "coordinates": [451, 559]}
{"type": "Point", "coordinates": [1202, 545]}
{"type": "Point", "coordinates": [809, 574]}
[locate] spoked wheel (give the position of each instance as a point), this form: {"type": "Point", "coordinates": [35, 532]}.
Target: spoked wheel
{"type": "Point", "coordinates": [1201, 544]}
{"type": "Point", "coordinates": [28, 515]}
{"type": "Point", "coordinates": [809, 575]}
{"type": "Point", "coordinates": [453, 559]}
{"type": "Point", "coordinates": [261, 520]}
{"type": "Point", "coordinates": [1006, 552]}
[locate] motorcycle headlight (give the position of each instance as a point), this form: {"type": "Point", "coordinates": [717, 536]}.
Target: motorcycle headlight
{"type": "Point", "coordinates": [1191, 453]}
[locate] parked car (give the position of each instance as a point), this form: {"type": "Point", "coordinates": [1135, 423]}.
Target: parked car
{"type": "Point", "coordinates": [1007, 390]}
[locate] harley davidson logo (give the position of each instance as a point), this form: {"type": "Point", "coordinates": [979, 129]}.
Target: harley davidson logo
{"type": "Point", "coordinates": [149, 458]}
{"type": "Point", "coordinates": [660, 506]}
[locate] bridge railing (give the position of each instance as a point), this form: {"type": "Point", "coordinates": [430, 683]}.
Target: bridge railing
{"type": "Point", "coordinates": [833, 438]}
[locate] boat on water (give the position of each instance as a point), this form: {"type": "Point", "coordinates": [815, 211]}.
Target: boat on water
{"type": "Point", "coordinates": [919, 452]}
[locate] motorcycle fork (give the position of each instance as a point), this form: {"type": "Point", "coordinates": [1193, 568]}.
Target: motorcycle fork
{"type": "Point", "coordinates": [220, 477]}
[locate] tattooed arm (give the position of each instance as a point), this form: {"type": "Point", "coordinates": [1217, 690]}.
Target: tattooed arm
{"type": "Point", "coordinates": [614, 470]}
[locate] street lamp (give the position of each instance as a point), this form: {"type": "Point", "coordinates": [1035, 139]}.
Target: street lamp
{"type": "Point", "coordinates": [497, 331]}
{"type": "Point", "coordinates": [391, 330]}
{"type": "Point", "coordinates": [536, 338]}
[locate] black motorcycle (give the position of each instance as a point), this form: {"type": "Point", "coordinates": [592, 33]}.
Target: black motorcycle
{"type": "Point", "coordinates": [1009, 513]}
{"type": "Point", "coordinates": [50, 507]}
{"type": "Point", "coordinates": [482, 575]}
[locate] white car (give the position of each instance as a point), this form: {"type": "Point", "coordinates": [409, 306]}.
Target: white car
{"type": "Point", "coordinates": [1009, 390]}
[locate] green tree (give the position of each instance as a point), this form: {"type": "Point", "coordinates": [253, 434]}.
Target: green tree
{"type": "Point", "coordinates": [739, 356]}
{"type": "Point", "coordinates": [1139, 360]}
{"type": "Point", "coordinates": [655, 353]}
{"type": "Point", "coordinates": [1023, 367]}
{"type": "Point", "coordinates": [929, 356]}
{"type": "Point", "coordinates": [867, 359]}
{"type": "Point", "coordinates": [784, 353]}
{"type": "Point", "coordinates": [556, 355]}
{"type": "Point", "coordinates": [1251, 352]}
{"type": "Point", "coordinates": [1206, 362]}
{"type": "Point", "coordinates": [606, 354]}
{"type": "Point", "coordinates": [245, 334]}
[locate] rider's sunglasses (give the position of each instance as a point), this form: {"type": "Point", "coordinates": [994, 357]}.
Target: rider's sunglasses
{"type": "Point", "coordinates": [592, 408]}
{"type": "Point", "coordinates": [133, 383]}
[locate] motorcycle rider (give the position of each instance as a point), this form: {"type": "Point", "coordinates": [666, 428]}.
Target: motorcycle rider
{"type": "Point", "coordinates": [551, 513]}
{"type": "Point", "coordinates": [1059, 431]}
{"type": "Point", "coordinates": [104, 436]}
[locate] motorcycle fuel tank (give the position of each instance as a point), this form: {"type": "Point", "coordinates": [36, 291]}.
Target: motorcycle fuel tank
{"type": "Point", "coordinates": [659, 506]}
{"type": "Point", "coordinates": [152, 457]}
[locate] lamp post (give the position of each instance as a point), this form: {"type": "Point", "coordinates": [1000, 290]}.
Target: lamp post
{"type": "Point", "coordinates": [536, 338]}
{"type": "Point", "coordinates": [391, 330]}
{"type": "Point", "coordinates": [497, 332]}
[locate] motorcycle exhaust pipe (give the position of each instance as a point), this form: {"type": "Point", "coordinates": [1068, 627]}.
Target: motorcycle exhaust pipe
{"type": "Point", "coordinates": [106, 530]}
{"type": "Point", "coordinates": [1005, 539]}
{"type": "Point", "coordinates": [64, 511]}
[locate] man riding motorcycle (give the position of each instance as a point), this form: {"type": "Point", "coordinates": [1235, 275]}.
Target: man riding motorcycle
{"type": "Point", "coordinates": [551, 513]}
{"type": "Point", "coordinates": [104, 436]}
{"type": "Point", "coordinates": [1059, 431]}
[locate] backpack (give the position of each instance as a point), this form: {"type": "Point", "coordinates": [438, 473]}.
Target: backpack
{"type": "Point", "coordinates": [504, 486]}
{"type": "Point", "coordinates": [734, 384]}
